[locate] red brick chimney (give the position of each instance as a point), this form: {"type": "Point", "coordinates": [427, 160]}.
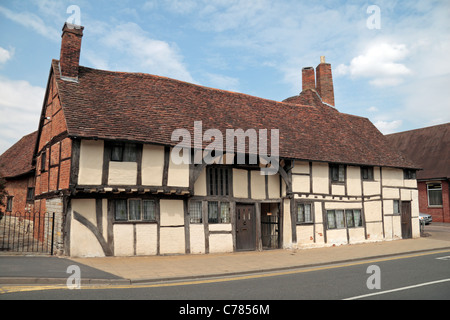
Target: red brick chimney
{"type": "Point", "coordinates": [324, 82]}
{"type": "Point", "coordinates": [70, 50]}
{"type": "Point", "coordinates": [308, 78]}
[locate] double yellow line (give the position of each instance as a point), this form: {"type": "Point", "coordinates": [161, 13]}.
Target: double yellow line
{"type": "Point", "coordinates": [19, 288]}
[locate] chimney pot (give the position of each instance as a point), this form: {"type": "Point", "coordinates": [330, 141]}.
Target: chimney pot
{"type": "Point", "coordinates": [70, 50]}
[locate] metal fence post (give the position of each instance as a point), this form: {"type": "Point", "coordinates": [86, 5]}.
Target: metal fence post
{"type": "Point", "coordinates": [53, 232]}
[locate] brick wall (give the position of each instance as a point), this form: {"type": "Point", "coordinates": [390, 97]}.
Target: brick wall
{"type": "Point", "coordinates": [439, 214]}
{"type": "Point", "coordinates": [54, 173]}
{"type": "Point", "coordinates": [17, 188]}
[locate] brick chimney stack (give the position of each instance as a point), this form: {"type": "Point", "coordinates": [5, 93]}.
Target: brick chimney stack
{"type": "Point", "coordinates": [324, 82]}
{"type": "Point", "coordinates": [308, 78]}
{"type": "Point", "coordinates": [70, 50]}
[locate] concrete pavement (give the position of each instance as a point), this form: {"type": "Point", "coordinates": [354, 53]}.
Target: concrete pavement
{"type": "Point", "coordinates": [134, 270]}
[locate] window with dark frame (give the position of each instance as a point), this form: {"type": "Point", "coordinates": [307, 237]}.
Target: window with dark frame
{"type": "Point", "coordinates": [30, 194]}
{"type": "Point", "coordinates": [135, 210]}
{"type": "Point", "coordinates": [43, 160]}
{"type": "Point", "coordinates": [218, 212]}
{"type": "Point", "coordinates": [218, 181]}
{"type": "Point", "coordinates": [353, 218]}
{"type": "Point", "coordinates": [304, 213]}
{"type": "Point", "coordinates": [409, 174]}
{"type": "Point", "coordinates": [341, 219]}
{"type": "Point", "coordinates": [9, 204]}
{"type": "Point", "coordinates": [396, 207]}
{"type": "Point", "coordinates": [124, 152]}
{"type": "Point", "coordinates": [195, 212]}
{"type": "Point", "coordinates": [367, 173]}
{"type": "Point", "coordinates": [434, 191]}
{"type": "Point", "coordinates": [337, 172]}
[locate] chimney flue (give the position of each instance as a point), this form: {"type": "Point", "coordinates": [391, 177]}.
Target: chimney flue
{"type": "Point", "coordinates": [308, 78]}
{"type": "Point", "coordinates": [70, 50]}
{"type": "Point", "coordinates": [324, 82]}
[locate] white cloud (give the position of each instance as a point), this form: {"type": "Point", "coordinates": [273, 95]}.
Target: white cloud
{"type": "Point", "coordinates": [32, 21]}
{"type": "Point", "coordinates": [380, 63]}
{"type": "Point", "coordinates": [387, 127]}
{"type": "Point", "coordinates": [5, 55]}
{"type": "Point", "coordinates": [143, 53]}
{"type": "Point", "coordinates": [20, 107]}
{"type": "Point", "coordinates": [222, 82]}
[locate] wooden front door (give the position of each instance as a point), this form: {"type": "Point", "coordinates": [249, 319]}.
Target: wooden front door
{"type": "Point", "coordinates": [245, 227]}
{"type": "Point", "coordinates": [406, 219]}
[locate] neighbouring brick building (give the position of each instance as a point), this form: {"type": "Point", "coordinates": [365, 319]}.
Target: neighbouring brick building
{"type": "Point", "coordinates": [103, 160]}
{"type": "Point", "coordinates": [430, 148]}
{"type": "Point", "coordinates": [17, 169]}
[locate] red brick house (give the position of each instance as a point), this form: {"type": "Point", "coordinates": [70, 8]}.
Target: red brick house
{"type": "Point", "coordinates": [17, 169]}
{"type": "Point", "coordinates": [430, 148]}
{"type": "Point", "coordinates": [104, 163]}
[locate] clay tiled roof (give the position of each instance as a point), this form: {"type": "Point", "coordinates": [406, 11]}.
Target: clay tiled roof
{"type": "Point", "coordinates": [147, 108]}
{"type": "Point", "coordinates": [16, 161]}
{"type": "Point", "coordinates": [428, 147]}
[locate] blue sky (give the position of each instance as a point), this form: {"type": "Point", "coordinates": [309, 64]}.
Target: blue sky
{"type": "Point", "coordinates": [390, 65]}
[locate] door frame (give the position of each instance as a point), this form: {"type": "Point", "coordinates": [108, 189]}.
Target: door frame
{"type": "Point", "coordinates": [406, 223]}
{"type": "Point", "coordinates": [250, 222]}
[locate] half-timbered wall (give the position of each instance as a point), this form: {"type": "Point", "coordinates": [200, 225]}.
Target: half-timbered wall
{"type": "Point", "coordinates": [374, 198]}
{"type": "Point", "coordinates": [154, 177]}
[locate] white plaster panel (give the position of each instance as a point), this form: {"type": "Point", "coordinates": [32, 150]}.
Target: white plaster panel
{"type": "Point", "coordinates": [353, 181]}
{"type": "Point", "coordinates": [240, 183]}
{"type": "Point", "coordinates": [273, 184]}
{"type": "Point", "coordinates": [258, 183]}
{"type": "Point", "coordinates": [337, 236]}
{"type": "Point", "coordinates": [300, 183]}
{"type": "Point", "coordinates": [200, 184]}
{"type": "Point", "coordinates": [122, 173]}
{"type": "Point", "coordinates": [392, 193]}
{"type": "Point", "coordinates": [123, 239]}
{"type": "Point", "coordinates": [178, 175]}
{"type": "Point", "coordinates": [219, 243]}
{"type": "Point", "coordinates": [301, 167]}
{"type": "Point", "coordinates": [83, 242]}
{"type": "Point", "coordinates": [220, 227]}
{"type": "Point", "coordinates": [392, 177]}
{"type": "Point", "coordinates": [320, 177]}
{"type": "Point", "coordinates": [356, 235]}
{"type": "Point", "coordinates": [374, 230]}
{"type": "Point", "coordinates": [171, 212]}
{"type": "Point", "coordinates": [146, 239]}
{"type": "Point", "coordinates": [172, 240]}
{"type": "Point", "coordinates": [338, 189]}
{"type": "Point", "coordinates": [197, 238]}
{"type": "Point", "coordinates": [91, 162]}
{"type": "Point", "coordinates": [372, 211]}
{"type": "Point", "coordinates": [152, 165]}
{"type": "Point", "coordinates": [305, 234]}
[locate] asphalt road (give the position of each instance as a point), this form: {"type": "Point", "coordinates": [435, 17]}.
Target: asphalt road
{"type": "Point", "coordinates": [416, 277]}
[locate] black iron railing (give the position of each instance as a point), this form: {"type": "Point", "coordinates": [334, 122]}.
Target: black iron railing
{"type": "Point", "coordinates": [27, 232]}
